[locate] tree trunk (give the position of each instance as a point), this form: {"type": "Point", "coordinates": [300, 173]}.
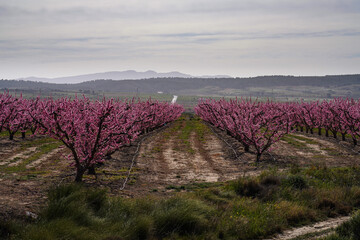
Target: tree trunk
{"type": "Point", "coordinates": [23, 135]}
{"type": "Point", "coordinates": [258, 156]}
{"type": "Point", "coordinates": [11, 136]}
{"type": "Point", "coordinates": [335, 134]}
{"type": "Point", "coordinates": [319, 131]}
{"type": "Point", "coordinates": [91, 170]}
{"type": "Point", "coordinates": [33, 130]}
{"type": "Point", "coordinates": [354, 141]}
{"type": "Point", "coordinates": [301, 129]}
{"type": "Point", "coordinates": [326, 133]}
{"type": "Point", "coordinates": [246, 147]}
{"type": "Point", "coordinates": [311, 130]}
{"type": "Point", "coordinates": [79, 174]}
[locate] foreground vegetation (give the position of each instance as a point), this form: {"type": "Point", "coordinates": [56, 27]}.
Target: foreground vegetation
{"type": "Point", "coordinates": [249, 208]}
{"type": "Point", "coordinates": [347, 231]}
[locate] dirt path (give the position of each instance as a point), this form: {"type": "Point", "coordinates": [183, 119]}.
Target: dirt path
{"type": "Point", "coordinates": [317, 229]}
{"type": "Point", "coordinates": [190, 151]}
{"type": "Point", "coordinates": [185, 153]}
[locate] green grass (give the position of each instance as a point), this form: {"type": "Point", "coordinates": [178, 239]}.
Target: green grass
{"type": "Point", "coordinates": [301, 138]}
{"type": "Point", "coordinates": [36, 142]}
{"type": "Point", "coordinates": [183, 128]}
{"type": "Point", "coordinates": [331, 151]}
{"type": "Point", "coordinates": [185, 133]}
{"type": "Point", "coordinates": [316, 131]}
{"type": "Point", "coordinates": [292, 140]}
{"type": "Point", "coordinates": [194, 186]}
{"type": "Point", "coordinates": [201, 129]}
{"type": "Point", "coordinates": [41, 150]}
{"type": "Point", "coordinates": [300, 142]}
{"type": "Point", "coordinates": [189, 125]}
{"type": "Point", "coordinates": [248, 208]}
{"type": "Point", "coordinates": [5, 134]}
{"type": "Point", "coordinates": [349, 230]}
{"type": "Point", "coordinates": [294, 143]}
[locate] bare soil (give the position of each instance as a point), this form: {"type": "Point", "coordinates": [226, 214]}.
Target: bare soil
{"type": "Point", "coordinates": [23, 188]}
{"type": "Point", "coordinates": [172, 166]}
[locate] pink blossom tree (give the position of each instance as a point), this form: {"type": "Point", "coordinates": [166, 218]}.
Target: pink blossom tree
{"type": "Point", "coordinates": [86, 128]}
{"type": "Point", "coordinates": [91, 130]}
{"type": "Point", "coordinates": [351, 118]}
{"type": "Point", "coordinates": [7, 108]}
{"type": "Point", "coordinates": [17, 117]}
{"type": "Point", "coordinates": [253, 123]}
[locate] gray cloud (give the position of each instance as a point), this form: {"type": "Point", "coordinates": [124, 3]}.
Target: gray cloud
{"type": "Point", "coordinates": [199, 37]}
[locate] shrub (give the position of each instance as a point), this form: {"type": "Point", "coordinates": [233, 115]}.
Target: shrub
{"type": "Point", "coordinates": [141, 228]}
{"type": "Point", "coordinates": [247, 187]}
{"type": "Point", "coordinates": [74, 202]}
{"type": "Point", "coordinates": [350, 229]}
{"type": "Point", "coordinates": [295, 214]}
{"type": "Point", "coordinates": [326, 204]}
{"type": "Point", "coordinates": [296, 181]}
{"type": "Point", "coordinates": [59, 229]}
{"type": "Point", "coordinates": [270, 180]}
{"type": "Point", "coordinates": [96, 199]}
{"type": "Point", "coordinates": [182, 216]}
{"type": "Point", "coordinates": [8, 228]}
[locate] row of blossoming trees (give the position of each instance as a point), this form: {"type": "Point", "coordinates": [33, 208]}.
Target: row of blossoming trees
{"type": "Point", "coordinates": [261, 124]}
{"type": "Point", "coordinates": [90, 129]}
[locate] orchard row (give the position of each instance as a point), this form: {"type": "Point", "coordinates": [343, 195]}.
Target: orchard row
{"type": "Point", "coordinates": [90, 129]}
{"type": "Point", "coordinates": [261, 124]}
{"type": "Point", "coordinates": [94, 129]}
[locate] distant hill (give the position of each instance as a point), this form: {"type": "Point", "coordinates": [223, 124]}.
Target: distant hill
{"type": "Point", "coordinates": [115, 75]}
{"type": "Point", "coordinates": [263, 86]}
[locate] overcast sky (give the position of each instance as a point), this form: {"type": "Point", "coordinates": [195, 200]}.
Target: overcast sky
{"type": "Point", "coordinates": [52, 38]}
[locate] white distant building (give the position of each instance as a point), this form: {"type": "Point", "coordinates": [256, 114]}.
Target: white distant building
{"type": "Point", "coordinates": [174, 99]}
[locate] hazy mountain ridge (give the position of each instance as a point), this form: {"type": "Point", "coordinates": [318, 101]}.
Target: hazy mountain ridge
{"type": "Point", "coordinates": [116, 75]}
{"type": "Point", "coordinates": [263, 86]}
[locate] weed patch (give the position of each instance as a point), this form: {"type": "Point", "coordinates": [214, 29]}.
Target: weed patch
{"type": "Point", "coordinates": [248, 208]}
{"type": "Point", "coordinates": [41, 150]}
{"type": "Point", "coordinates": [349, 230]}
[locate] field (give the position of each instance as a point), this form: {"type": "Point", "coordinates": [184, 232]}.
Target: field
{"type": "Point", "coordinates": [185, 157]}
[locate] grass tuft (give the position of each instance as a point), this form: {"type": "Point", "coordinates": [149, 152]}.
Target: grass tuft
{"type": "Point", "coordinates": [247, 187]}
{"type": "Point", "coordinates": [248, 208]}
{"type": "Point", "coordinates": [296, 182]}
{"type": "Point", "coordinates": [349, 230]}
{"type": "Point", "coordinates": [181, 215]}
